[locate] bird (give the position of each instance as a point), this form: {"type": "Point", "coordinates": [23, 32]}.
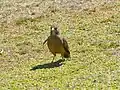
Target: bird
{"type": "Point", "coordinates": [57, 44]}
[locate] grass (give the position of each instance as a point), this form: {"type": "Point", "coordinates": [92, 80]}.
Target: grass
{"type": "Point", "coordinates": [94, 39]}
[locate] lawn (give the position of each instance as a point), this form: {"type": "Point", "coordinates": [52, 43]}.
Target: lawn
{"type": "Point", "coordinates": [91, 29]}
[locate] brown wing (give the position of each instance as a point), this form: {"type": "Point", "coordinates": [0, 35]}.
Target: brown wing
{"type": "Point", "coordinates": [65, 45]}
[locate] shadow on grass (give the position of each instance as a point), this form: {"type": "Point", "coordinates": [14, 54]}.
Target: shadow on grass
{"type": "Point", "coordinates": [49, 65]}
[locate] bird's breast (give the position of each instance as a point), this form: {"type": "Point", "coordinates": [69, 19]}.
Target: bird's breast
{"type": "Point", "coordinates": [55, 44]}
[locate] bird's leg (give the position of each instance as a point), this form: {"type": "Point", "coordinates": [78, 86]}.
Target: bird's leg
{"type": "Point", "coordinates": [62, 58]}
{"type": "Point", "coordinates": [53, 58]}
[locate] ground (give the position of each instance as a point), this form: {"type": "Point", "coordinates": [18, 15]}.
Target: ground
{"type": "Point", "coordinates": [92, 29]}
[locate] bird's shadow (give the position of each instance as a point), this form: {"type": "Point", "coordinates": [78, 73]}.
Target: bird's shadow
{"type": "Point", "coordinates": [49, 65]}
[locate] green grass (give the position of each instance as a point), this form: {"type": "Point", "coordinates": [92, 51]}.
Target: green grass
{"type": "Point", "coordinates": [94, 41]}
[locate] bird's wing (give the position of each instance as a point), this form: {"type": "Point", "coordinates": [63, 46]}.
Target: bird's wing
{"type": "Point", "coordinates": [65, 45]}
{"type": "Point", "coordinates": [45, 41]}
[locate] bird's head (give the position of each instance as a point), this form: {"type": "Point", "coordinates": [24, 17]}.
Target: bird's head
{"type": "Point", "coordinates": [54, 30]}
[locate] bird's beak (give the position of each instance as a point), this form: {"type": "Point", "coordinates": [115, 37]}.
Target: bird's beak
{"type": "Point", "coordinates": [52, 28]}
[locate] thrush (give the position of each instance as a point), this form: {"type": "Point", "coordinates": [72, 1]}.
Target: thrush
{"type": "Point", "coordinates": [57, 44]}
